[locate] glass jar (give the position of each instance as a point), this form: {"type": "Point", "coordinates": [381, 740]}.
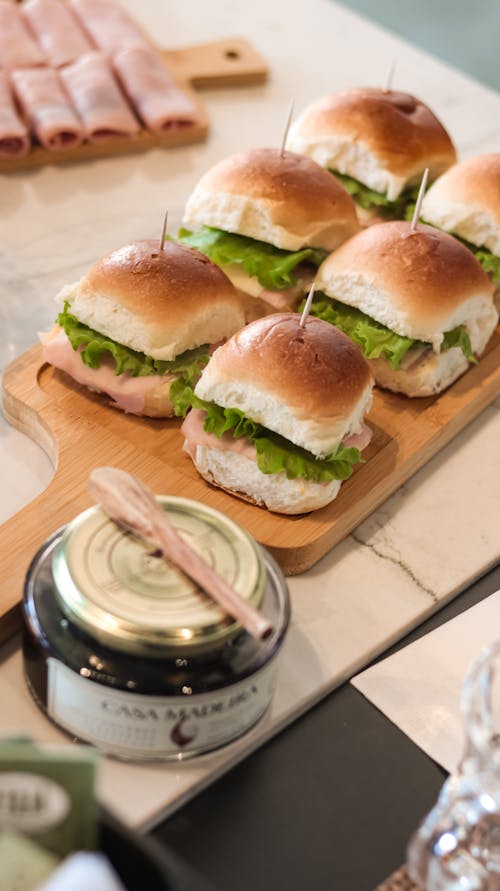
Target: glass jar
{"type": "Point", "coordinates": [457, 847]}
{"type": "Point", "coordinates": [124, 651]}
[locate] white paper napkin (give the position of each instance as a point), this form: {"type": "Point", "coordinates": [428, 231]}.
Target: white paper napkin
{"type": "Point", "coordinates": [418, 688]}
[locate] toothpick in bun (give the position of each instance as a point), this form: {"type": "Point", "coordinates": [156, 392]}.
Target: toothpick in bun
{"type": "Point", "coordinates": [278, 413]}
{"type": "Point", "coordinates": [269, 218]}
{"type": "Point", "coordinates": [416, 301]}
{"type": "Point", "coordinates": [378, 143]}
{"type": "Point", "coordinates": [141, 324]}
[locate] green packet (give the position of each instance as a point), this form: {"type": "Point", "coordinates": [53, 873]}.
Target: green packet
{"type": "Point", "coordinates": [47, 795]}
{"type": "Point", "coordinates": [24, 864]}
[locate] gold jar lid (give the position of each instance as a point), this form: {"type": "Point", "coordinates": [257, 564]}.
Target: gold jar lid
{"type": "Point", "coordinates": [125, 594]}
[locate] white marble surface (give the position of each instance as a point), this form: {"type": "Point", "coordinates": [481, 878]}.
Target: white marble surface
{"type": "Point", "coordinates": [433, 536]}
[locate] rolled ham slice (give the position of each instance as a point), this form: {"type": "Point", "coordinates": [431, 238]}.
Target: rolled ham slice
{"type": "Point", "coordinates": [127, 392]}
{"type": "Point", "coordinates": [46, 107]}
{"type": "Point", "coordinates": [108, 25]}
{"type": "Point", "coordinates": [17, 47]}
{"type": "Point", "coordinates": [98, 100]}
{"type": "Point", "coordinates": [158, 101]}
{"type": "Point", "coordinates": [14, 136]}
{"type": "Point", "coordinates": [57, 30]}
{"type": "Point", "coordinates": [195, 434]}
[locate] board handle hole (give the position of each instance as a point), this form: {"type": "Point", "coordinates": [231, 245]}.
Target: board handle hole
{"type": "Point", "coordinates": [232, 54]}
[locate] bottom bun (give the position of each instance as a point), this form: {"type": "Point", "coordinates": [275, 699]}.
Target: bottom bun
{"type": "Point", "coordinates": [240, 476]}
{"type": "Point", "coordinates": [157, 402]}
{"type": "Point", "coordinates": [431, 375]}
{"type": "Point", "coordinates": [435, 371]}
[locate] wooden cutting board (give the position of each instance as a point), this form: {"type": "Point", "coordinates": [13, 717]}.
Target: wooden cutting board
{"type": "Point", "coordinates": [229, 62]}
{"type": "Point", "coordinates": [79, 431]}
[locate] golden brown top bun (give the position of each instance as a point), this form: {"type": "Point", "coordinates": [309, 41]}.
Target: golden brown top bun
{"type": "Point", "coordinates": [310, 384]}
{"type": "Point", "coordinates": [418, 283]}
{"type": "Point", "coordinates": [383, 138]}
{"type": "Point", "coordinates": [284, 199]}
{"type": "Point", "coordinates": [160, 302]}
{"type": "Point", "coordinates": [466, 200]}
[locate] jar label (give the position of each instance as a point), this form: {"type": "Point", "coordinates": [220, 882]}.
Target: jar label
{"type": "Point", "coordinates": [134, 725]}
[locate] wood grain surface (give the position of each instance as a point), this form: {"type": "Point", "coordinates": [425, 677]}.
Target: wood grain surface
{"type": "Point", "coordinates": [79, 430]}
{"type": "Point", "coordinates": [229, 62]}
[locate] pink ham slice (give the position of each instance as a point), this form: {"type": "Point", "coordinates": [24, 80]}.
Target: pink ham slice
{"type": "Point", "coordinates": [194, 434]}
{"type": "Point", "coordinates": [46, 107]}
{"type": "Point", "coordinates": [98, 100]}
{"type": "Point", "coordinates": [108, 25]}
{"type": "Point", "coordinates": [358, 440]}
{"type": "Point", "coordinates": [17, 47]}
{"type": "Point", "coordinates": [158, 101]}
{"type": "Point", "coordinates": [129, 393]}
{"type": "Point", "coordinates": [14, 137]}
{"type": "Point", "coordinates": [57, 30]}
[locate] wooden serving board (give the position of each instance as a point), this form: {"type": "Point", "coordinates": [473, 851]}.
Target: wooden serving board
{"type": "Point", "coordinates": [229, 62]}
{"type": "Point", "coordinates": [79, 430]}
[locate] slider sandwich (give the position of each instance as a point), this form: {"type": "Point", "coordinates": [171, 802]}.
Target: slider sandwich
{"type": "Point", "coordinates": [377, 143]}
{"type": "Point", "coordinates": [140, 326]}
{"type": "Point", "coordinates": [268, 219]}
{"type": "Point", "coordinates": [465, 201]}
{"type": "Point", "coordinates": [278, 413]}
{"type": "Point", "coordinates": [415, 300]}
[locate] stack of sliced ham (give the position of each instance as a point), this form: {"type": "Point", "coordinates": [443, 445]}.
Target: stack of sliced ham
{"type": "Point", "coordinates": [57, 30]}
{"type": "Point", "coordinates": [14, 136]}
{"type": "Point", "coordinates": [157, 99]}
{"type": "Point", "coordinates": [17, 48]}
{"type": "Point", "coordinates": [97, 99]}
{"type": "Point", "coordinates": [46, 107]}
{"type": "Point", "coordinates": [80, 70]}
{"type": "Point", "coordinates": [108, 25]}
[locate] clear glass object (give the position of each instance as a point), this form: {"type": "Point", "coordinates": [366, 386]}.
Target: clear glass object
{"type": "Point", "coordinates": [457, 847]}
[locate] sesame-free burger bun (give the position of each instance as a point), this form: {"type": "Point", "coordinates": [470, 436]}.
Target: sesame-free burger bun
{"type": "Point", "coordinates": [383, 138]}
{"type": "Point", "coordinates": [159, 302]}
{"type": "Point", "coordinates": [240, 476]}
{"type": "Point", "coordinates": [284, 199]}
{"type": "Point", "coordinates": [466, 200]}
{"type": "Point", "coordinates": [309, 384]}
{"type": "Point", "coordinates": [419, 283]}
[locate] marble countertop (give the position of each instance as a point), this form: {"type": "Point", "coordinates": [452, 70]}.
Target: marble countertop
{"type": "Point", "coordinates": [429, 540]}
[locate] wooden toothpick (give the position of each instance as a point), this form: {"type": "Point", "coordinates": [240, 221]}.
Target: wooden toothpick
{"type": "Point", "coordinates": [287, 127]}
{"type": "Point", "coordinates": [389, 76]}
{"type": "Point", "coordinates": [164, 232]}
{"type": "Point", "coordinates": [420, 198]}
{"type": "Point", "coordinates": [307, 307]}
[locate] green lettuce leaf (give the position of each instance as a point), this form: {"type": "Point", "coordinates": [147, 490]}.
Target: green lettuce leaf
{"type": "Point", "coordinates": [274, 453]}
{"type": "Point", "coordinates": [222, 420]}
{"type": "Point", "coordinates": [95, 347]}
{"type": "Point", "coordinates": [272, 266]}
{"type": "Point", "coordinates": [401, 208]}
{"type": "Point", "coordinates": [458, 337]}
{"type": "Point", "coordinates": [376, 339]}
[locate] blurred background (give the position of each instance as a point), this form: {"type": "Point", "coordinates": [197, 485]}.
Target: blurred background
{"type": "Point", "coordinates": [463, 33]}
